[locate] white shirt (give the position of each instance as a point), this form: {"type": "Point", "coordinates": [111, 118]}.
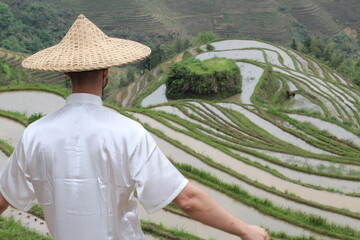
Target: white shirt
{"type": "Point", "coordinates": [82, 163]}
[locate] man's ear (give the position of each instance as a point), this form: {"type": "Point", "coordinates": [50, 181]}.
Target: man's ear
{"type": "Point", "coordinates": [105, 73]}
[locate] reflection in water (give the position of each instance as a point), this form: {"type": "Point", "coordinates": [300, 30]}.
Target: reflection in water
{"type": "Point", "coordinates": [242, 44]}
{"type": "Point", "coordinates": [10, 131]}
{"type": "Point", "coordinates": [170, 220]}
{"type": "Point", "coordinates": [273, 129]}
{"type": "Point", "coordinates": [325, 182]}
{"type": "Point", "coordinates": [179, 156]}
{"type": "Point", "coordinates": [157, 97]}
{"type": "Point", "coordinates": [256, 55]}
{"type": "Point", "coordinates": [333, 129]}
{"type": "Point", "coordinates": [322, 197]}
{"type": "Point", "coordinates": [272, 57]}
{"type": "Point", "coordinates": [300, 102]}
{"type": "Point", "coordinates": [30, 102]}
{"type": "Point", "coordinates": [248, 214]}
{"type": "Point", "coordinates": [317, 164]}
{"type": "Point", "coordinates": [250, 77]}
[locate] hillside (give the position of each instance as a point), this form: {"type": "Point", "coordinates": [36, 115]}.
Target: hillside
{"type": "Point", "coordinates": [293, 132]}
{"type": "Point", "coordinates": [284, 153]}
{"type": "Point", "coordinates": [271, 20]}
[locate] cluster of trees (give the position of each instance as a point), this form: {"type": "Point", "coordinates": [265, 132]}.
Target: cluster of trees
{"type": "Point", "coordinates": [217, 77]}
{"type": "Point", "coordinates": [9, 75]}
{"type": "Point", "coordinates": [161, 52]}
{"type": "Point", "coordinates": [28, 26]}
{"type": "Point", "coordinates": [340, 53]}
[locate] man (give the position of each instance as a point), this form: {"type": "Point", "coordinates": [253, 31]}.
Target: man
{"type": "Point", "coordinates": [83, 162]}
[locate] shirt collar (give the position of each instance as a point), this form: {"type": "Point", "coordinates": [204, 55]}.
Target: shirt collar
{"type": "Point", "coordinates": [84, 98]}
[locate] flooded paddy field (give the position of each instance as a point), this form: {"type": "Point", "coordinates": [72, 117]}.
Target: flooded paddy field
{"type": "Point", "coordinates": [242, 137]}
{"type": "Point", "coordinates": [30, 102]}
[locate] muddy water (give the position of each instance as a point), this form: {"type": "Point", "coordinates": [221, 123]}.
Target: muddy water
{"type": "Point", "coordinates": [172, 110]}
{"type": "Point", "coordinates": [342, 94]}
{"type": "Point", "coordinates": [249, 215]}
{"type": "Point", "coordinates": [292, 87]}
{"type": "Point", "coordinates": [318, 69]}
{"type": "Point", "coordinates": [250, 77]}
{"type": "Point", "coordinates": [241, 44]}
{"type": "Point", "coordinates": [170, 220]}
{"type": "Point", "coordinates": [30, 102]}
{"type": "Point", "coordinates": [333, 129]}
{"type": "Point", "coordinates": [10, 131]}
{"type": "Point", "coordinates": [311, 162]}
{"type": "Point", "coordinates": [272, 57]}
{"type": "Point", "coordinates": [342, 80]}
{"type": "Point", "coordinates": [303, 63]}
{"type": "Point", "coordinates": [325, 182]}
{"type": "Point", "coordinates": [157, 97]}
{"type": "Point", "coordinates": [256, 55]}
{"type": "Point", "coordinates": [180, 156]}
{"type": "Point", "coordinates": [272, 129]}
{"type": "Point", "coordinates": [326, 198]}
{"type": "Point", "coordinates": [176, 111]}
{"type": "Point", "coordinates": [300, 102]}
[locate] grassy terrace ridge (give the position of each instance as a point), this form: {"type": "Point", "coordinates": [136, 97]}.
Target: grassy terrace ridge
{"type": "Point", "coordinates": [225, 147]}
{"type": "Point", "coordinates": [37, 87]}
{"type": "Point", "coordinates": [158, 230]}
{"type": "Point", "coordinates": [19, 117]}
{"type": "Point", "coordinates": [250, 130]}
{"type": "Point", "coordinates": [229, 171]}
{"type": "Point", "coordinates": [307, 221]}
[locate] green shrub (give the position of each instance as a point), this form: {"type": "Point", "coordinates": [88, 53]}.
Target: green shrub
{"type": "Point", "coordinates": [217, 77]}
{"type": "Point", "coordinates": [34, 117]}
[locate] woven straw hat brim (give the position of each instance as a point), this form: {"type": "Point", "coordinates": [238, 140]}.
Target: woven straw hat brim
{"type": "Point", "coordinates": [85, 47]}
{"type": "Point", "coordinates": [118, 52]}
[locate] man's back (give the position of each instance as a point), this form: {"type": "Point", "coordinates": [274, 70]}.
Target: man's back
{"type": "Point", "coordinates": [84, 162]}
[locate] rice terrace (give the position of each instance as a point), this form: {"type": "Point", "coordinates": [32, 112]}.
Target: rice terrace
{"type": "Point", "coordinates": [283, 153]}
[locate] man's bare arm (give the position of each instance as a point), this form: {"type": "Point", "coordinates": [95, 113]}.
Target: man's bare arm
{"type": "Point", "coordinates": [201, 207]}
{"type": "Point", "coordinates": [3, 204]}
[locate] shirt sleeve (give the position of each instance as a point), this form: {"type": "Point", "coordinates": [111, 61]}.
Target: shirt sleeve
{"type": "Point", "coordinates": [158, 182]}
{"type": "Point", "coordinates": [14, 186]}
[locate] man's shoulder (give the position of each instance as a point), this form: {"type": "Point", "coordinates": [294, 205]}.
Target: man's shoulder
{"type": "Point", "coordinates": [123, 122]}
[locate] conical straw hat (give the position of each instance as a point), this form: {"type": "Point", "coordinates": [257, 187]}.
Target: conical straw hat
{"type": "Point", "coordinates": [85, 47]}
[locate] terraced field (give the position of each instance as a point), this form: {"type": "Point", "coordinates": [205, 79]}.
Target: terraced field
{"type": "Point", "coordinates": [15, 59]}
{"type": "Point", "coordinates": [289, 163]}
{"type": "Point", "coordinates": [314, 17]}
{"type": "Point", "coordinates": [299, 152]}
{"type": "Point", "coordinates": [346, 16]}
{"type": "Point", "coordinates": [271, 20]}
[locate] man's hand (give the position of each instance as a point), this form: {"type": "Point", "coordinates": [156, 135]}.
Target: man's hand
{"type": "Point", "coordinates": [253, 232]}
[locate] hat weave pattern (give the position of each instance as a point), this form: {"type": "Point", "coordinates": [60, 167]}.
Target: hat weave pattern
{"type": "Point", "coordinates": [85, 47]}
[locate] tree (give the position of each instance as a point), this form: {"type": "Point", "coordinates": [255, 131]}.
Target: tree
{"type": "Point", "coordinates": [6, 17]}
{"type": "Point", "coordinates": [205, 37]}
{"type": "Point", "coordinates": [294, 44]}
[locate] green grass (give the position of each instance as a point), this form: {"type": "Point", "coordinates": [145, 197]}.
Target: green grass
{"type": "Point", "coordinates": [37, 87]}
{"type": "Point", "coordinates": [233, 173]}
{"type": "Point", "coordinates": [211, 65]}
{"type": "Point", "coordinates": [12, 230]}
{"type": "Point", "coordinates": [19, 117]}
{"type": "Point", "coordinates": [307, 221]}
